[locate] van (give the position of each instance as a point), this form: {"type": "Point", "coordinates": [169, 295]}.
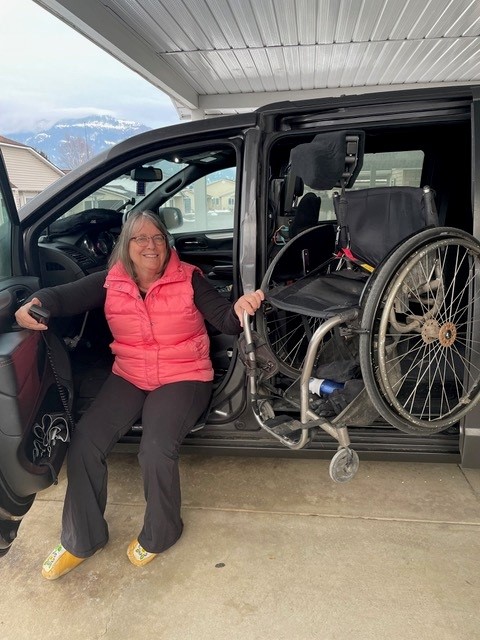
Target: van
{"type": "Point", "coordinates": [224, 189]}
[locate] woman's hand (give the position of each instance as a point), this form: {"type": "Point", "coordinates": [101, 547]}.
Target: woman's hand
{"type": "Point", "coordinates": [249, 302]}
{"type": "Point", "coordinates": [25, 320]}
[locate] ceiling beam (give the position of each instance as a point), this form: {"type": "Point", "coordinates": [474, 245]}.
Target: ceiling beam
{"type": "Point", "coordinates": [258, 99]}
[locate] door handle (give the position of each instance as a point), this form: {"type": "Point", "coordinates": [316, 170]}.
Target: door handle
{"type": "Point", "coordinates": [20, 296]}
{"type": "Point", "coordinates": [195, 244]}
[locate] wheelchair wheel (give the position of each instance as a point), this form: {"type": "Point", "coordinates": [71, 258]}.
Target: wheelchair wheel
{"type": "Point", "coordinates": [286, 333]}
{"type": "Point", "coordinates": [420, 340]}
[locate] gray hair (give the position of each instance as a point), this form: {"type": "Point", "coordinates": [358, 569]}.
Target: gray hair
{"type": "Point", "coordinates": [121, 251]}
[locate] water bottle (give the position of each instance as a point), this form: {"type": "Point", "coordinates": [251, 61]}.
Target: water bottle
{"type": "Point", "coordinates": [323, 387]}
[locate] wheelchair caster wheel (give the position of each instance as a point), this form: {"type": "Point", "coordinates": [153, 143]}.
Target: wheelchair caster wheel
{"type": "Point", "coordinates": [344, 465]}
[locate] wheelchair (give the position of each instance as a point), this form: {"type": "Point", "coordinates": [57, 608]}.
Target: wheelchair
{"type": "Point", "coordinates": [379, 305]}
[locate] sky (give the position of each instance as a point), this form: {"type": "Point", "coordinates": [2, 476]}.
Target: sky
{"type": "Point", "coordinates": [49, 72]}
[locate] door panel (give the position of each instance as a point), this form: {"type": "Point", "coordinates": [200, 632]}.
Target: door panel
{"type": "Point", "coordinates": [27, 386]}
{"type": "Point", "coordinates": [211, 252]}
{"type": "Point", "coordinates": [13, 293]}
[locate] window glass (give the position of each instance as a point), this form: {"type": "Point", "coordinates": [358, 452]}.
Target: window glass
{"type": "Point", "coordinates": [207, 204]}
{"type": "Point", "coordinates": [389, 169]}
{"type": "Point", "coordinates": [123, 192]}
{"type": "Point", "coordinates": [3, 210]}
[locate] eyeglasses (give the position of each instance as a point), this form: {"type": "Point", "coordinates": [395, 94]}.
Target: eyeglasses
{"type": "Point", "coordinates": [143, 241]}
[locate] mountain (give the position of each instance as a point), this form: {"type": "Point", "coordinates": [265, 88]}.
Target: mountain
{"type": "Point", "coordinates": [68, 143]}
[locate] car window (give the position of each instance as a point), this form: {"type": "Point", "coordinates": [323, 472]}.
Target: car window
{"type": "Point", "coordinates": [121, 193]}
{"type": "Point", "coordinates": [395, 168]}
{"type": "Point", "coordinates": [208, 203]}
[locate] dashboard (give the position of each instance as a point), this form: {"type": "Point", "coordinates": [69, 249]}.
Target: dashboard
{"type": "Point", "coordinates": [77, 245]}
{"type": "Point", "coordinates": [99, 245]}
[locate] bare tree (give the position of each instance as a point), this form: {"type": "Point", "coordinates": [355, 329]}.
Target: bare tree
{"type": "Point", "coordinates": [74, 151]}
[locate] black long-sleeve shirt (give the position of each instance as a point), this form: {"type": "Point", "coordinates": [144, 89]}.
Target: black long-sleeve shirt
{"type": "Point", "coordinates": [89, 293]}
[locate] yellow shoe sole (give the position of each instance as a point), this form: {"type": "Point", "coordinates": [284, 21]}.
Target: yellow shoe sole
{"type": "Point", "coordinates": [138, 555]}
{"type": "Point", "coordinates": [59, 562]}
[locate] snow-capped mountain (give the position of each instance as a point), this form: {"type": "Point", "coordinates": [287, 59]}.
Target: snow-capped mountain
{"type": "Point", "coordinates": [71, 142]}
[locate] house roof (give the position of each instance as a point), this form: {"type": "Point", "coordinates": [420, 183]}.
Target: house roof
{"type": "Point", "coordinates": [28, 170]}
{"type": "Point", "coordinates": [221, 56]}
{"type": "Point", "coordinates": [11, 142]}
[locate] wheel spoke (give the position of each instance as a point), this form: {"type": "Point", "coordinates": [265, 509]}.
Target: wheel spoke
{"type": "Point", "coordinates": [428, 341]}
{"type": "Point", "coordinates": [288, 336]}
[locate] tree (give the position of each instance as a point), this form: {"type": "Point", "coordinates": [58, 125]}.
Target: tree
{"type": "Point", "coordinates": [74, 151]}
{"type": "Point", "coordinates": [42, 153]}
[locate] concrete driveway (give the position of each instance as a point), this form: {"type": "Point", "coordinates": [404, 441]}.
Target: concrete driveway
{"type": "Point", "coordinates": [272, 550]}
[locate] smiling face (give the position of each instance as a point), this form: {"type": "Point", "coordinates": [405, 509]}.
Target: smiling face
{"type": "Point", "coordinates": [149, 261]}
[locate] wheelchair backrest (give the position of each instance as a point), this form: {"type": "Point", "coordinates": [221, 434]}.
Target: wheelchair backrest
{"type": "Point", "coordinates": [373, 221]}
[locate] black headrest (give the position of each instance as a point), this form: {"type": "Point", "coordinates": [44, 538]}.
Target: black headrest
{"type": "Point", "coordinates": [328, 158]}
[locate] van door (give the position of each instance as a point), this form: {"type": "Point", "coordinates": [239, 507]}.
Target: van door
{"type": "Point", "coordinates": [26, 384]}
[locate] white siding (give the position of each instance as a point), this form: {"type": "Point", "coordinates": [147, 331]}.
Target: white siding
{"type": "Point", "coordinates": [27, 171]}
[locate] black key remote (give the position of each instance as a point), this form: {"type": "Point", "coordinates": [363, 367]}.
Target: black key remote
{"type": "Point", "coordinates": [39, 314]}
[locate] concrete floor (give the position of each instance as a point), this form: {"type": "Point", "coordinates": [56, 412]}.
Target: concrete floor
{"type": "Point", "coordinates": [272, 550]}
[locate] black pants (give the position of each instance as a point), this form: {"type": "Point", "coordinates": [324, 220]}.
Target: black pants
{"type": "Point", "coordinates": [168, 413]}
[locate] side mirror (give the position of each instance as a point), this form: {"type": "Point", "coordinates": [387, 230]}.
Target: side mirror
{"type": "Point", "coordinates": [171, 217]}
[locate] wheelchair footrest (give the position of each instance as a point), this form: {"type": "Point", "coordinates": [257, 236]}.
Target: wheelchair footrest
{"type": "Point", "coordinates": [283, 425]}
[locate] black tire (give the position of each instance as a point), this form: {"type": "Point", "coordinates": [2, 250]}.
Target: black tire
{"type": "Point", "coordinates": [419, 346]}
{"type": "Point", "coordinates": [286, 336]}
{"type": "Point", "coordinates": [286, 333]}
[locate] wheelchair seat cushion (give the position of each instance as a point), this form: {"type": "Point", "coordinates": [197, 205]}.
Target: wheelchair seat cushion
{"type": "Point", "coordinates": [320, 296]}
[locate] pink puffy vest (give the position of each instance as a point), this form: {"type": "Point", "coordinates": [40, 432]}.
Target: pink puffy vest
{"type": "Point", "coordinates": [161, 338]}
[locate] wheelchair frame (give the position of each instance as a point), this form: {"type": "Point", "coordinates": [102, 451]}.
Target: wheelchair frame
{"type": "Point", "coordinates": [418, 301]}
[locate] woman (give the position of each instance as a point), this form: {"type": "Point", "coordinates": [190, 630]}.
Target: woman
{"type": "Point", "coordinates": [155, 306]}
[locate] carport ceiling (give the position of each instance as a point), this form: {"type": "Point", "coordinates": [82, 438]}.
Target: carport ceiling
{"type": "Point", "coordinates": [223, 56]}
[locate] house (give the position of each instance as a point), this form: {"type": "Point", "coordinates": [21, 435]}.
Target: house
{"type": "Point", "coordinates": [219, 197]}
{"type": "Point", "coordinates": [29, 172]}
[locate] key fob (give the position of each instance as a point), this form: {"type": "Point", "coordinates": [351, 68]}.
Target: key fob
{"type": "Point", "coordinates": [40, 314]}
